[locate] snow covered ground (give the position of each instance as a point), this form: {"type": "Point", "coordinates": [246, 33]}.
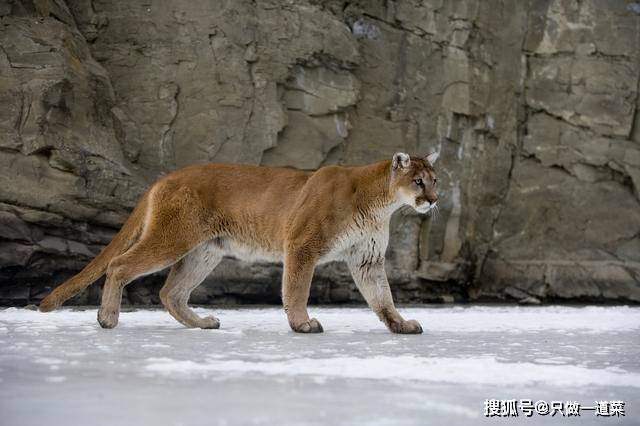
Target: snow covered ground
{"type": "Point", "coordinates": [62, 368]}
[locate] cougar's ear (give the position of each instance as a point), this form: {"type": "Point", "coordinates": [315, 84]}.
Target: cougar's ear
{"type": "Point", "coordinates": [400, 161]}
{"type": "Point", "coordinates": [432, 158]}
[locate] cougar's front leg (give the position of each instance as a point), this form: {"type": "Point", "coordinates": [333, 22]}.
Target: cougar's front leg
{"type": "Point", "coordinates": [371, 279]}
{"type": "Point", "coordinates": [296, 283]}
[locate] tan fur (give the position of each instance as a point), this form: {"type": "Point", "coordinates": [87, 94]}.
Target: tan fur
{"type": "Point", "coordinates": [193, 217]}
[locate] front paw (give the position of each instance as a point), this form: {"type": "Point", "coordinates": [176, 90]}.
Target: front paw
{"type": "Point", "coordinates": [406, 327]}
{"type": "Point", "coordinates": [311, 326]}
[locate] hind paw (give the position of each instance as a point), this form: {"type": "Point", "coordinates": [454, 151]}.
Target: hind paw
{"type": "Point", "coordinates": [210, 322]}
{"type": "Point", "coordinates": [107, 318]}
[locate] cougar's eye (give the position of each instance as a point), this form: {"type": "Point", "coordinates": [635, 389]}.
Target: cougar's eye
{"type": "Point", "coordinates": [435, 181]}
{"type": "Point", "coordinates": [418, 182]}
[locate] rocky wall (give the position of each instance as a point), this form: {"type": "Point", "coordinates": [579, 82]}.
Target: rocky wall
{"type": "Point", "coordinates": [532, 104]}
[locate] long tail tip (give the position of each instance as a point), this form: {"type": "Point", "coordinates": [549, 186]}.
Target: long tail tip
{"type": "Point", "coordinates": [47, 306]}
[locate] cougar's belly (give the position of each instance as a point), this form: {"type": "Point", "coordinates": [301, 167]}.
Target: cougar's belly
{"type": "Point", "coordinates": [339, 249]}
{"type": "Point", "coordinates": [248, 252]}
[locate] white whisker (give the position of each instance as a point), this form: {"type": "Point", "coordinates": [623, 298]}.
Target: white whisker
{"type": "Point", "coordinates": [435, 212]}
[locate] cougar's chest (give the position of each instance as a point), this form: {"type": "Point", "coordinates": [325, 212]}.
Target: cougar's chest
{"type": "Point", "coordinates": [370, 237]}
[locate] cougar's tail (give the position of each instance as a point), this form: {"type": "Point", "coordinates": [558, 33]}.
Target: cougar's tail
{"type": "Point", "coordinates": [123, 240]}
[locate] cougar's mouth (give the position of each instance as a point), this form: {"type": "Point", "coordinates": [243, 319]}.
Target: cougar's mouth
{"type": "Point", "coordinates": [425, 207]}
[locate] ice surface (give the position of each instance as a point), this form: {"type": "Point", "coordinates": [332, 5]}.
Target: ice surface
{"type": "Point", "coordinates": [62, 368]}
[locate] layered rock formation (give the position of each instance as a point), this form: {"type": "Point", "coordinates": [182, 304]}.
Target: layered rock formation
{"type": "Point", "coordinates": [533, 106]}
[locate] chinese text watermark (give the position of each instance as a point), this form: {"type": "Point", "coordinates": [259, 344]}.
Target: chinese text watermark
{"type": "Point", "coordinates": [526, 407]}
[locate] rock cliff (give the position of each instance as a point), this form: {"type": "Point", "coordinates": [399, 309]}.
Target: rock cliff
{"type": "Point", "coordinates": [532, 104]}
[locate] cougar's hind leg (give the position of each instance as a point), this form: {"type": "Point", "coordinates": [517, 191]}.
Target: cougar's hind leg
{"type": "Point", "coordinates": [145, 257]}
{"type": "Point", "coordinates": [172, 230]}
{"type": "Point", "coordinates": [184, 277]}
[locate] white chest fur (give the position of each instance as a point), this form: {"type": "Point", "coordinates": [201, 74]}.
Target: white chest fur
{"type": "Point", "coordinates": [368, 240]}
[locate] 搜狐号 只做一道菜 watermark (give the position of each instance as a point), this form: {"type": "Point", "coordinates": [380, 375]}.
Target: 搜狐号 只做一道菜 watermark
{"type": "Point", "coordinates": [527, 408]}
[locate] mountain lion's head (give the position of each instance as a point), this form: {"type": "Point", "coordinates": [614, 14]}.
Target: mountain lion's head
{"type": "Point", "coordinates": [414, 180]}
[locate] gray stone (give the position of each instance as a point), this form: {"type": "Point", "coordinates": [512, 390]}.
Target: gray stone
{"type": "Point", "coordinates": [529, 300]}
{"type": "Point", "coordinates": [534, 111]}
